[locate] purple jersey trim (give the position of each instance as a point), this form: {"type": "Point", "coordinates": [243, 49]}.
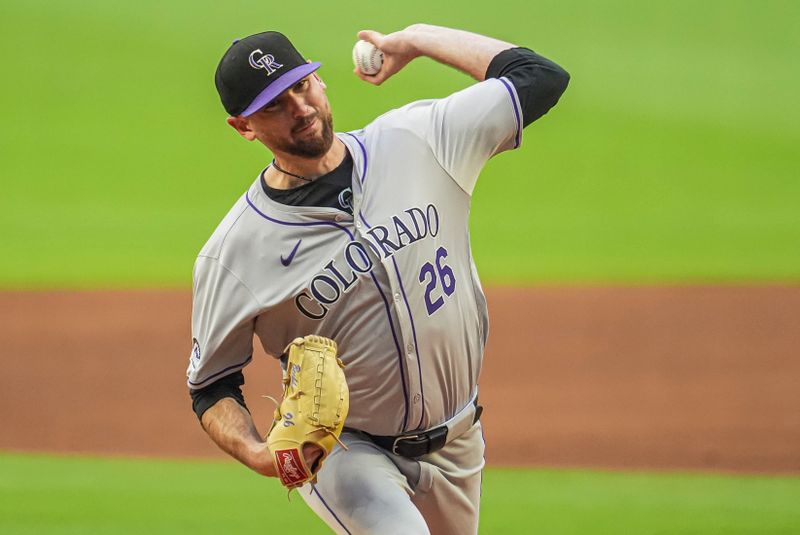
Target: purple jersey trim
{"type": "Point", "coordinates": [314, 489]}
{"type": "Point", "coordinates": [374, 280]}
{"type": "Point", "coordinates": [518, 135]}
{"type": "Point", "coordinates": [294, 224]}
{"type": "Point", "coordinates": [416, 345]}
{"type": "Point", "coordinates": [229, 368]}
{"type": "Point", "coordinates": [397, 346]}
{"type": "Point", "coordinates": [413, 329]}
{"type": "Point", "coordinates": [364, 219]}
{"type": "Point", "coordinates": [364, 153]}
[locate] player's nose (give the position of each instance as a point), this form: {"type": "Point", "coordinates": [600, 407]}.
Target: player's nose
{"type": "Point", "coordinates": [298, 107]}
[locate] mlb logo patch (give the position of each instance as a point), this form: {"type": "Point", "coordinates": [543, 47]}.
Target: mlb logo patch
{"type": "Point", "coordinates": [195, 349]}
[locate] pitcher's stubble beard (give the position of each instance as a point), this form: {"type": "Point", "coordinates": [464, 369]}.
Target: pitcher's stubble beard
{"type": "Point", "coordinates": [313, 147]}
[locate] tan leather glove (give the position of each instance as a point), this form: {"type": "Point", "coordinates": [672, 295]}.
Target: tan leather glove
{"type": "Point", "coordinates": [313, 410]}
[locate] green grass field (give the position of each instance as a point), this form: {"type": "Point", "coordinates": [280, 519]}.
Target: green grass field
{"type": "Point", "coordinates": [672, 157]}
{"type": "Point", "coordinates": [71, 495]}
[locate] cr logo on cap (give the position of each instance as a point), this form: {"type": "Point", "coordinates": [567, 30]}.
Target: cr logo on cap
{"type": "Point", "coordinates": [266, 62]}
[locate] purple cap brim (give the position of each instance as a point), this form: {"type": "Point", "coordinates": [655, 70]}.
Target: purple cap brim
{"type": "Point", "coordinates": [281, 84]}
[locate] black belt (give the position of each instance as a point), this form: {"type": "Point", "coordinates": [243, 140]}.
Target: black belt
{"type": "Point", "coordinates": [417, 444]}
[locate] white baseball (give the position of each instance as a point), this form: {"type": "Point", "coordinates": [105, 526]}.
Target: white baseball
{"type": "Point", "coordinates": [367, 57]}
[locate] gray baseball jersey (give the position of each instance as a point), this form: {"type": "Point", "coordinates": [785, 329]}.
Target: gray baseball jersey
{"type": "Point", "coordinates": [394, 284]}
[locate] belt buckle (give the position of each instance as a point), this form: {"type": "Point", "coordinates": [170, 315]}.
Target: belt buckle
{"type": "Point", "coordinates": [398, 439]}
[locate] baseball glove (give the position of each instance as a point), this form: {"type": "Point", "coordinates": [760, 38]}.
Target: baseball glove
{"type": "Point", "coordinates": [314, 407]}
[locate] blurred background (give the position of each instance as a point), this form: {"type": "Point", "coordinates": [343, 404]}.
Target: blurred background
{"type": "Point", "coordinates": [644, 244]}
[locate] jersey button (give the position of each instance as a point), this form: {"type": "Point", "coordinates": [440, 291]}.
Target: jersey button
{"type": "Point", "coordinates": [410, 348]}
{"type": "Point", "coordinates": [358, 224]}
{"type": "Point", "coordinates": [416, 398]}
{"type": "Point", "coordinates": [397, 296]}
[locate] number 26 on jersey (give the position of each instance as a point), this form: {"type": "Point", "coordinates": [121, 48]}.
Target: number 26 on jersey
{"type": "Point", "coordinates": [439, 281]}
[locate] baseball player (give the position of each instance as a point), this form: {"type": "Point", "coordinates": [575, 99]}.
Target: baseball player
{"type": "Point", "coordinates": [362, 237]}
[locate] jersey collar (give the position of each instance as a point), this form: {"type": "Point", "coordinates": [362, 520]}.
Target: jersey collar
{"type": "Point", "coordinates": [263, 203]}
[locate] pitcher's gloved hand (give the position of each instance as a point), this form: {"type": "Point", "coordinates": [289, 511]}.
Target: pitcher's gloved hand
{"type": "Point", "coordinates": [310, 418]}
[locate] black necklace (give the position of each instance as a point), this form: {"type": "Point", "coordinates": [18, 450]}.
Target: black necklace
{"type": "Point", "coordinates": [276, 166]}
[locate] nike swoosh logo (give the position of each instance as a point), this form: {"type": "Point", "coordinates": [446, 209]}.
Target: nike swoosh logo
{"type": "Point", "coordinates": [288, 260]}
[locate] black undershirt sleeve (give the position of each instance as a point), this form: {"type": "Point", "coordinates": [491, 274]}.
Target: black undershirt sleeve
{"type": "Point", "coordinates": [539, 82]}
{"type": "Point", "coordinates": [227, 387]}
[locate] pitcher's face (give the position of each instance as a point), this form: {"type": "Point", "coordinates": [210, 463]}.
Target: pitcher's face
{"type": "Point", "coordinates": [297, 122]}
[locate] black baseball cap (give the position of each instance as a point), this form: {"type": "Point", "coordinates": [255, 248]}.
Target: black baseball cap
{"type": "Point", "coordinates": [256, 69]}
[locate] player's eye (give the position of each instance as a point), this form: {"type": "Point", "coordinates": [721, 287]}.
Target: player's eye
{"type": "Point", "coordinates": [270, 107]}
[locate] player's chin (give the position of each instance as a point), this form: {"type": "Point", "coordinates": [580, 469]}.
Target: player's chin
{"type": "Point", "coordinates": [312, 147]}
{"type": "Point", "coordinates": [313, 144]}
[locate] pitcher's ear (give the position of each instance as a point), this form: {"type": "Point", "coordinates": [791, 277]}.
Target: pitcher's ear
{"type": "Point", "coordinates": [241, 125]}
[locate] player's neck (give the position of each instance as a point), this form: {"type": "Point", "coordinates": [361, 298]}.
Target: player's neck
{"type": "Point", "coordinates": [281, 176]}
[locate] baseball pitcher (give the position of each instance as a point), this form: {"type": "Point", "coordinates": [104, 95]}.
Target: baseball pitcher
{"type": "Point", "coordinates": [349, 259]}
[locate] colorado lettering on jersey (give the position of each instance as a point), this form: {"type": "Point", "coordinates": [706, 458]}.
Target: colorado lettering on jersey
{"type": "Point", "coordinates": [340, 274]}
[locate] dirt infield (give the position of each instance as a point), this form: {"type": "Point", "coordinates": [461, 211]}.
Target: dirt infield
{"type": "Point", "coordinates": [688, 378]}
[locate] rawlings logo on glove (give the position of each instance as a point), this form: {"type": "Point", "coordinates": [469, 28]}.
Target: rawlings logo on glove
{"type": "Point", "coordinates": [312, 412]}
{"type": "Point", "coordinates": [290, 468]}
